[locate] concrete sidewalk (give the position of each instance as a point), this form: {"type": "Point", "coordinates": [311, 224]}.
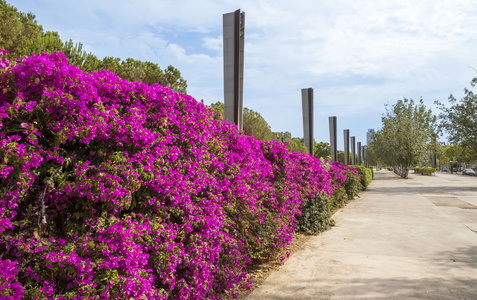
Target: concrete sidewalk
{"type": "Point", "coordinates": [403, 239]}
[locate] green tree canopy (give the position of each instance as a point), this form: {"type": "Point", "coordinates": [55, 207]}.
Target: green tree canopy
{"type": "Point", "coordinates": [341, 156]}
{"type": "Point", "coordinates": [459, 120]}
{"type": "Point", "coordinates": [322, 150]}
{"type": "Point", "coordinates": [407, 130]}
{"type": "Point", "coordinates": [21, 35]}
{"type": "Point", "coordinates": [218, 109]}
{"type": "Point", "coordinates": [457, 153]}
{"type": "Point", "coordinates": [297, 145]}
{"type": "Point", "coordinates": [255, 125]}
{"type": "Point", "coordinates": [16, 28]}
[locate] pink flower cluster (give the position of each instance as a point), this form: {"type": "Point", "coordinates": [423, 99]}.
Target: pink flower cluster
{"type": "Point", "coordinates": [10, 288]}
{"type": "Point", "coordinates": [118, 190]}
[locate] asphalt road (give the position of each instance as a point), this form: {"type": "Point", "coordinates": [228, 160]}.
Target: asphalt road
{"type": "Point", "coordinates": [403, 239]}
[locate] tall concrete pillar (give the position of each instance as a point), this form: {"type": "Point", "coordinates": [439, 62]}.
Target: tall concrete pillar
{"type": "Point", "coordinates": [346, 146]}
{"type": "Point", "coordinates": [234, 33]}
{"type": "Point", "coordinates": [363, 155]}
{"type": "Point", "coordinates": [333, 138]}
{"type": "Point", "coordinates": [353, 151]}
{"type": "Point", "coordinates": [359, 153]}
{"type": "Point", "coordinates": [307, 104]}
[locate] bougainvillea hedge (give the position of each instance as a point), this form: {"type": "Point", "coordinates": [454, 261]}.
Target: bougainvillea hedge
{"type": "Point", "coordinates": [120, 190]}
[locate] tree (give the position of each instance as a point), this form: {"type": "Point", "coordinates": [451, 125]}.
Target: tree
{"type": "Point", "coordinates": [459, 120]}
{"type": "Point", "coordinates": [50, 42]}
{"type": "Point", "coordinates": [174, 79]}
{"type": "Point", "coordinates": [294, 144]}
{"type": "Point", "coordinates": [341, 156]}
{"type": "Point", "coordinates": [15, 28]}
{"type": "Point", "coordinates": [21, 35]}
{"type": "Point", "coordinates": [218, 109]}
{"type": "Point", "coordinates": [285, 135]}
{"type": "Point", "coordinates": [407, 130]}
{"type": "Point", "coordinates": [456, 153]}
{"type": "Point", "coordinates": [297, 145]}
{"type": "Point", "coordinates": [322, 150]}
{"type": "Point", "coordinates": [255, 125]}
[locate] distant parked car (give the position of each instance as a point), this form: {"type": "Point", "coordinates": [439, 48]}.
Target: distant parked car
{"type": "Point", "coordinates": [444, 169]}
{"type": "Point", "coordinates": [468, 172]}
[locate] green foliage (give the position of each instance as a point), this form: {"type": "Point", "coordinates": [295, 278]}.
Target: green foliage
{"type": "Point", "coordinates": [21, 35]}
{"type": "Point", "coordinates": [365, 175]}
{"type": "Point", "coordinates": [297, 145]}
{"type": "Point", "coordinates": [407, 130]}
{"type": "Point", "coordinates": [285, 135]}
{"type": "Point", "coordinates": [315, 215]}
{"type": "Point", "coordinates": [322, 150]}
{"type": "Point", "coordinates": [425, 171]}
{"type": "Point", "coordinates": [369, 176]}
{"type": "Point", "coordinates": [372, 172]}
{"type": "Point", "coordinates": [15, 28]}
{"type": "Point", "coordinates": [459, 120]}
{"type": "Point", "coordinates": [457, 153]}
{"type": "Point", "coordinates": [352, 185]}
{"type": "Point", "coordinates": [218, 109]}
{"type": "Point", "coordinates": [341, 157]}
{"type": "Point", "coordinates": [50, 42]}
{"type": "Point", "coordinates": [317, 211]}
{"type": "Point", "coordinates": [174, 79]}
{"type": "Point", "coordinates": [255, 125]}
{"type": "Point", "coordinates": [147, 72]}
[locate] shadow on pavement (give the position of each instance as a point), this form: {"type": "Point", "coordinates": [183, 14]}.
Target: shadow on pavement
{"type": "Point", "coordinates": [386, 289]}
{"type": "Point", "coordinates": [381, 175]}
{"type": "Point", "coordinates": [408, 288]}
{"type": "Point", "coordinates": [404, 190]}
{"type": "Point", "coordinates": [460, 257]}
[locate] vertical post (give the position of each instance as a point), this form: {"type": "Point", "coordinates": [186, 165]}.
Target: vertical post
{"type": "Point", "coordinates": [333, 138]}
{"type": "Point", "coordinates": [353, 152]}
{"type": "Point", "coordinates": [307, 104]}
{"type": "Point", "coordinates": [346, 146]}
{"type": "Point", "coordinates": [433, 152]}
{"type": "Point", "coordinates": [234, 32]}
{"type": "Point", "coordinates": [359, 153]}
{"type": "Point", "coordinates": [363, 155]}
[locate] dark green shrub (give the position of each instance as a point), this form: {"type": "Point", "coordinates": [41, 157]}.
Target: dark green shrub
{"type": "Point", "coordinates": [425, 171]}
{"type": "Point", "coordinates": [352, 185]}
{"type": "Point", "coordinates": [316, 214]}
{"type": "Point", "coordinates": [365, 175]}
{"type": "Point", "coordinates": [369, 175]}
{"type": "Point", "coordinates": [318, 209]}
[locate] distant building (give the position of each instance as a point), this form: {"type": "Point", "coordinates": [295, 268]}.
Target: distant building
{"type": "Point", "coordinates": [369, 136]}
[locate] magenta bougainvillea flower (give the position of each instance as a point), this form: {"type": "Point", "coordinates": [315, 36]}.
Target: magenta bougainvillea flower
{"type": "Point", "coordinates": [121, 190]}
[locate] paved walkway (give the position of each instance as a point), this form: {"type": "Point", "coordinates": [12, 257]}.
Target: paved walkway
{"type": "Point", "coordinates": [403, 239]}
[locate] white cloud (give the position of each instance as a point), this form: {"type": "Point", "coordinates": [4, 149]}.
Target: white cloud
{"type": "Point", "coordinates": [213, 43]}
{"type": "Point", "coordinates": [356, 54]}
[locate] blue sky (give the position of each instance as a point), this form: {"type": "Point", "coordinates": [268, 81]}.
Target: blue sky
{"type": "Point", "coordinates": [357, 55]}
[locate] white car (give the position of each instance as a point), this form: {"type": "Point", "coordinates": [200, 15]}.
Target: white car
{"type": "Point", "coordinates": [468, 172]}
